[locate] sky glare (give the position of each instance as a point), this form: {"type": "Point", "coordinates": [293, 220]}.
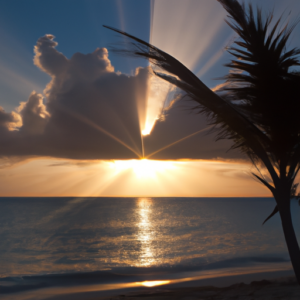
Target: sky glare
{"type": "Point", "coordinates": [79, 120]}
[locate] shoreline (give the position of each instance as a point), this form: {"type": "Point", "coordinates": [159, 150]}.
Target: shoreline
{"type": "Point", "coordinates": [258, 285]}
{"type": "Point", "coordinates": [281, 289]}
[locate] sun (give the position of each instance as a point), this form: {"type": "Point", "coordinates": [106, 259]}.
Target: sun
{"type": "Point", "coordinates": [143, 168]}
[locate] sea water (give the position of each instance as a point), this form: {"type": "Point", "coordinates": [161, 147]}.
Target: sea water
{"type": "Point", "coordinates": [40, 236]}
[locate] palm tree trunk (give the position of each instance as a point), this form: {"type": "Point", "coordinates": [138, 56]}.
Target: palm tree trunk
{"type": "Point", "coordinates": [290, 237]}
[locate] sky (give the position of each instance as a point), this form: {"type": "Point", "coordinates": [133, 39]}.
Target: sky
{"type": "Point", "coordinates": [77, 119]}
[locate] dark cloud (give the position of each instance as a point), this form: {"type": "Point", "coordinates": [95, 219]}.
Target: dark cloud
{"type": "Point", "coordinates": [181, 122]}
{"type": "Point", "coordinates": [9, 121]}
{"type": "Point", "coordinates": [93, 112]}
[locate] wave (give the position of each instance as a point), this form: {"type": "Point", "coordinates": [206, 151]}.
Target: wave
{"type": "Point", "coordinates": [129, 274]}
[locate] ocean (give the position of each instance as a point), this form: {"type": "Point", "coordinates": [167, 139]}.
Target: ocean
{"type": "Point", "coordinates": [48, 242]}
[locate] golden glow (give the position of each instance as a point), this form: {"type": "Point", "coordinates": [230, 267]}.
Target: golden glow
{"type": "Point", "coordinates": [155, 283]}
{"type": "Point", "coordinates": [147, 129]}
{"type": "Point", "coordinates": [177, 38]}
{"type": "Point", "coordinates": [143, 168]}
{"type": "Point", "coordinates": [64, 290]}
{"type": "Point", "coordinates": [157, 94]}
{"type": "Point", "coordinates": [145, 232]}
{"type": "Point", "coordinates": [129, 178]}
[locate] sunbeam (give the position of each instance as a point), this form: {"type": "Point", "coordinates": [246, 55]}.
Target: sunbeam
{"type": "Point", "coordinates": [215, 57]}
{"type": "Point", "coordinates": [143, 168]}
{"type": "Point", "coordinates": [96, 126]}
{"type": "Point", "coordinates": [143, 148]}
{"type": "Point", "coordinates": [176, 35]}
{"type": "Point", "coordinates": [157, 95]}
{"type": "Point", "coordinates": [185, 28]}
{"type": "Point", "coordinates": [178, 141]}
{"type": "Point", "coordinates": [135, 138]}
{"type": "Point", "coordinates": [121, 13]}
{"type": "Point", "coordinates": [129, 178]}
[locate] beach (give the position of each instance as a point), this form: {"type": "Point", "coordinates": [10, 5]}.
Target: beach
{"type": "Point", "coordinates": [256, 286]}
{"type": "Point", "coordinates": [257, 290]}
{"type": "Point", "coordinates": [281, 288]}
{"type": "Point", "coordinates": [285, 288]}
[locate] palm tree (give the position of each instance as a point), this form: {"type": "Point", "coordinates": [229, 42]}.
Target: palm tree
{"type": "Point", "coordinates": [258, 108]}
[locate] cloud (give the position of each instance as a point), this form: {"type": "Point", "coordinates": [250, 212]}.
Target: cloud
{"type": "Point", "coordinates": [47, 58]}
{"type": "Point", "coordinates": [90, 111]}
{"type": "Point", "coordinates": [93, 112]}
{"type": "Point", "coordinates": [34, 115]}
{"type": "Point", "coordinates": [184, 124]}
{"type": "Point", "coordinates": [9, 121]}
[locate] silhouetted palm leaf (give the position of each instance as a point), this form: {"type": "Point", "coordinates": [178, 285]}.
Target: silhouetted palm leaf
{"type": "Point", "coordinates": [257, 108]}
{"type": "Point", "coordinates": [226, 116]}
{"type": "Point", "coordinates": [249, 109]}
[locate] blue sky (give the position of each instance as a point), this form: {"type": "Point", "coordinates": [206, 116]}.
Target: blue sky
{"type": "Point", "coordinates": [77, 26]}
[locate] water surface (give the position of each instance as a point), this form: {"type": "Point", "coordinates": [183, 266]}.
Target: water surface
{"type": "Point", "coordinates": [57, 235]}
{"type": "Point", "coordinates": [138, 236]}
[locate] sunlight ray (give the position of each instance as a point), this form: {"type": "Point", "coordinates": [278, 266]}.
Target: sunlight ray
{"type": "Point", "coordinates": [213, 59]}
{"type": "Point", "coordinates": [157, 96]}
{"type": "Point", "coordinates": [185, 21]}
{"type": "Point", "coordinates": [143, 149]}
{"type": "Point", "coordinates": [121, 13]}
{"type": "Point", "coordinates": [129, 135]}
{"type": "Point", "coordinates": [142, 97]}
{"type": "Point", "coordinates": [92, 124]}
{"type": "Point", "coordinates": [176, 35]}
{"type": "Point", "coordinates": [178, 141]}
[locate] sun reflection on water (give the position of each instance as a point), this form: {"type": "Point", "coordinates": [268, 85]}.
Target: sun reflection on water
{"type": "Point", "coordinates": [155, 283]}
{"type": "Point", "coordinates": [145, 234]}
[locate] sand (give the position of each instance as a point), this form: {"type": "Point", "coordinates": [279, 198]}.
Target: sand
{"type": "Point", "coordinates": [258, 286]}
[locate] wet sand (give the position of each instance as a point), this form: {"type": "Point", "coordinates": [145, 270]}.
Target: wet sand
{"type": "Point", "coordinates": [281, 289]}
{"type": "Point", "coordinates": [278, 288]}
{"type": "Point", "coordinates": [266, 285]}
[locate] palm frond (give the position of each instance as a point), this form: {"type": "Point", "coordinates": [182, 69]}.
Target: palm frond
{"type": "Point", "coordinates": [274, 212]}
{"type": "Point", "coordinates": [266, 86]}
{"type": "Point", "coordinates": [258, 106]}
{"type": "Point", "coordinates": [248, 110]}
{"type": "Point", "coordinates": [229, 120]}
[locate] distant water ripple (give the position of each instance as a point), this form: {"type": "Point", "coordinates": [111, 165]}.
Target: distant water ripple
{"type": "Point", "coordinates": [65, 235]}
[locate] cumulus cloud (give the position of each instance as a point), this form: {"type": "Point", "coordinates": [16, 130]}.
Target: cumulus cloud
{"type": "Point", "coordinates": [47, 58]}
{"type": "Point", "coordinates": [9, 121]}
{"type": "Point", "coordinates": [89, 111]}
{"type": "Point", "coordinates": [34, 114]}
